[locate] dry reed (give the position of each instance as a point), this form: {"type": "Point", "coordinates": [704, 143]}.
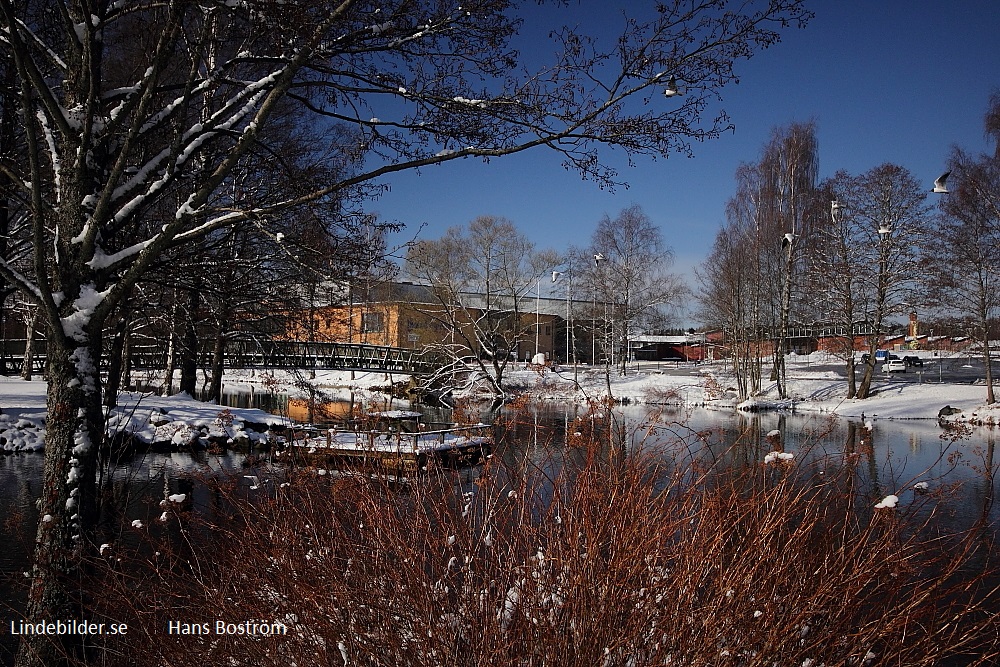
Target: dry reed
{"type": "Point", "coordinates": [612, 559]}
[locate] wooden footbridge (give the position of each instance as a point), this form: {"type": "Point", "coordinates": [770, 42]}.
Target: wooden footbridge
{"type": "Point", "coordinates": [263, 354]}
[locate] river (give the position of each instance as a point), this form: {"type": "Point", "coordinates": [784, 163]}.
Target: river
{"type": "Point", "coordinates": [893, 457]}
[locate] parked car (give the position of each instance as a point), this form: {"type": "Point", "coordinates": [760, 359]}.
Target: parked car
{"type": "Point", "coordinates": [880, 356]}
{"type": "Point", "coordinates": [894, 366]}
{"type": "Point", "coordinates": [911, 360]}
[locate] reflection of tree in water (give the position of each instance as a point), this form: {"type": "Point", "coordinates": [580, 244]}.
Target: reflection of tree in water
{"type": "Point", "coordinates": [990, 471]}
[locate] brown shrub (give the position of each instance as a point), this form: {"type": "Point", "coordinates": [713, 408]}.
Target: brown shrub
{"type": "Point", "coordinates": [609, 560]}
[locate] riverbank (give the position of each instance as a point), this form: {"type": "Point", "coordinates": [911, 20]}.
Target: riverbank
{"type": "Point", "coordinates": [149, 419]}
{"type": "Point", "coordinates": [813, 385]}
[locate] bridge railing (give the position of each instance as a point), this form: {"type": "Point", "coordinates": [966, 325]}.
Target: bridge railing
{"type": "Point", "coordinates": [251, 353]}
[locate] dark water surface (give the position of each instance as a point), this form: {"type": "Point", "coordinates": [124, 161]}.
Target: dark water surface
{"type": "Point", "coordinates": [892, 457]}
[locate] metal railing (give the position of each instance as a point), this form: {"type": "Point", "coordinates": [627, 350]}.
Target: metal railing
{"type": "Point", "coordinates": [242, 353]}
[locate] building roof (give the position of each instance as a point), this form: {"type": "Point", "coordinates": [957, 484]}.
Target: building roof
{"type": "Point", "coordinates": [415, 293]}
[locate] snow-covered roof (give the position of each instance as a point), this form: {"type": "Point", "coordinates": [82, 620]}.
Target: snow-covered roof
{"type": "Point", "coordinates": [669, 340]}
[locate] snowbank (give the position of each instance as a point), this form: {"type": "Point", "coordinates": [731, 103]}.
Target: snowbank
{"type": "Point", "coordinates": [178, 419]}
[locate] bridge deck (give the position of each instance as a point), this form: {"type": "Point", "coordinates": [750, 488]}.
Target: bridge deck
{"type": "Point", "coordinates": [277, 354]}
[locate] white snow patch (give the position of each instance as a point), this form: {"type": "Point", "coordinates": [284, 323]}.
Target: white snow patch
{"type": "Point", "coordinates": [83, 309]}
{"type": "Point", "coordinates": [888, 502]}
{"type": "Point", "coordinates": [465, 100]}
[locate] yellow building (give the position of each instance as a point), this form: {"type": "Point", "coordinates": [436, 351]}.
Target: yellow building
{"type": "Point", "coordinates": [409, 316]}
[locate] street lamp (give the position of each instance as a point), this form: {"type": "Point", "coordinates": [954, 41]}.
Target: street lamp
{"type": "Point", "coordinates": [671, 89]}
{"type": "Point", "coordinates": [570, 332]}
{"type": "Point", "coordinates": [538, 302]}
{"type": "Point", "coordinates": [598, 258]}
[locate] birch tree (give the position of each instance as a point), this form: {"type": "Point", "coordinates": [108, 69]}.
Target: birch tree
{"type": "Point", "coordinates": [788, 168]}
{"type": "Point", "coordinates": [738, 293]}
{"type": "Point", "coordinates": [634, 278]}
{"type": "Point", "coordinates": [135, 115]}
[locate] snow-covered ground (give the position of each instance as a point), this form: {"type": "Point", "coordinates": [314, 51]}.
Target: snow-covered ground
{"type": "Point", "coordinates": [150, 418]}
{"type": "Point", "coordinates": [812, 386]}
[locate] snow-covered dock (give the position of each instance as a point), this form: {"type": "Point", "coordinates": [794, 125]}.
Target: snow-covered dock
{"type": "Point", "coordinates": [396, 443]}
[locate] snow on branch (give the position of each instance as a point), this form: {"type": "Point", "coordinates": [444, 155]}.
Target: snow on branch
{"type": "Point", "coordinates": [75, 324]}
{"type": "Point", "coordinates": [40, 43]}
{"type": "Point", "coordinates": [16, 278]}
{"type": "Point", "coordinates": [168, 111]}
{"type": "Point", "coordinates": [103, 261]}
{"type": "Point", "coordinates": [193, 139]}
{"type": "Point", "coordinates": [50, 143]}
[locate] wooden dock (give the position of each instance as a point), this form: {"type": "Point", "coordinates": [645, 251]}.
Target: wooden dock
{"type": "Point", "coordinates": [397, 445]}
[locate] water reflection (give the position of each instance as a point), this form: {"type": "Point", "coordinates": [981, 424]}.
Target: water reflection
{"type": "Point", "coordinates": [886, 456]}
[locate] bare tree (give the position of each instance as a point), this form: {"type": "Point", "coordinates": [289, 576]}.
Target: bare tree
{"type": "Point", "coordinates": [737, 291]}
{"type": "Point", "coordinates": [481, 277]}
{"type": "Point", "coordinates": [752, 276]}
{"type": "Point", "coordinates": [789, 168]}
{"type": "Point", "coordinates": [835, 270]}
{"type": "Point", "coordinates": [889, 209]}
{"type": "Point", "coordinates": [130, 109]}
{"type": "Point", "coordinates": [966, 261]}
{"type": "Point", "coordinates": [727, 301]}
{"type": "Point", "coordinates": [633, 277]}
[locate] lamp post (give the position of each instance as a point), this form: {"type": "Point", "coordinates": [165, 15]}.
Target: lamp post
{"type": "Point", "coordinates": [598, 258]}
{"type": "Point", "coordinates": [570, 333]}
{"type": "Point", "coordinates": [538, 302]}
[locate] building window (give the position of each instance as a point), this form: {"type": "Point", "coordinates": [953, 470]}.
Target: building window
{"type": "Point", "coordinates": [372, 323]}
{"type": "Point", "coordinates": [548, 330]}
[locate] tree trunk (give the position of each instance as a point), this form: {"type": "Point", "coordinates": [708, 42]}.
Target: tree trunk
{"type": "Point", "coordinates": [988, 366]}
{"type": "Point", "coordinates": [218, 364]}
{"type": "Point", "coordinates": [873, 345]}
{"type": "Point", "coordinates": [786, 306]}
{"type": "Point", "coordinates": [116, 360]}
{"type": "Point", "coordinates": [189, 346]}
{"type": "Point", "coordinates": [852, 382]}
{"type": "Point", "coordinates": [68, 507]}
{"type": "Point", "coordinates": [29, 345]}
{"type": "Point", "coordinates": [866, 377]}
{"type": "Point", "coordinates": [168, 375]}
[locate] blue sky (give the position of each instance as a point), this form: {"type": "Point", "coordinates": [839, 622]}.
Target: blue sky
{"type": "Point", "coordinates": [885, 80]}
